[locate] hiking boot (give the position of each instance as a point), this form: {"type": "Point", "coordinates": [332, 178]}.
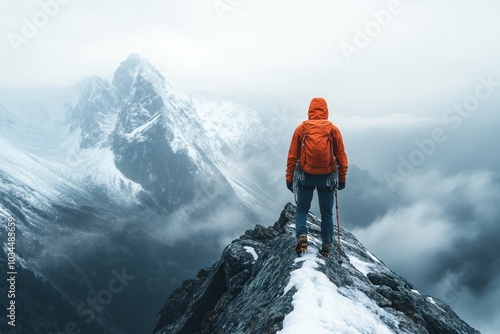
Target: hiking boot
{"type": "Point", "coordinates": [325, 249]}
{"type": "Point", "coordinates": [301, 245]}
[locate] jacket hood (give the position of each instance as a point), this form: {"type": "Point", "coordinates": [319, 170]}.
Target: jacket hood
{"type": "Point", "coordinates": [318, 109]}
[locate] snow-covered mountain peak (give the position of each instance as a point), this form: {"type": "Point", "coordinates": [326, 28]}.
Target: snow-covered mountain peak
{"type": "Point", "coordinates": [136, 68]}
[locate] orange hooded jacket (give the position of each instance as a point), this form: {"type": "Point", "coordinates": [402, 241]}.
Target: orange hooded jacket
{"type": "Point", "coordinates": [318, 112]}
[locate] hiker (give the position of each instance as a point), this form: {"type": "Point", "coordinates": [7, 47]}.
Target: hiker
{"type": "Point", "coordinates": [318, 160]}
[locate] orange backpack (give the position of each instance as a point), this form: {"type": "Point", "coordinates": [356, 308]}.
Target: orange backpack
{"type": "Point", "coordinates": [316, 149]}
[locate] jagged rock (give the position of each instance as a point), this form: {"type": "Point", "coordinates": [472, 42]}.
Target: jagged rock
{"type": "Point", "coordinates": [260, 233]}
{"type": "Point", "coordinates": [393, 282]}
{"type": "Point", "coordinates": [282, 221]}
{"type": "Point", "coordinates": [251, 289]}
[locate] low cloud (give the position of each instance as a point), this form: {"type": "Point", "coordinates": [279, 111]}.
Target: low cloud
{"type": "Point", "coordinates": [407, 229]}
{"type": "Point", "coordinates": [443, 238]}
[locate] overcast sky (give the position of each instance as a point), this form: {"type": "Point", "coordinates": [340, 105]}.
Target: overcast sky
{"type": "Point", "coordinates": [413, 85]}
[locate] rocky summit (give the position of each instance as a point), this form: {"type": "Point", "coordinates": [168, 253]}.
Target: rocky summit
{"type": "Point", "coordinates": [260, 286]}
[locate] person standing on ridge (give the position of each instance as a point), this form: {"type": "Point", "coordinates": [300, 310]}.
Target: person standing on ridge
{"type": "Point", "coordinates": [316, 159]}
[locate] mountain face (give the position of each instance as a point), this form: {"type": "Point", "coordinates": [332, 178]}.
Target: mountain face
{"type": "Point", "coordinates": [145, 134]}
{"type": "Point", "coordinates": [260, 286]}
{"type": "Point", "coordinates": [117, 180]}
{"type": "Point", "coordinates": [94, 113]}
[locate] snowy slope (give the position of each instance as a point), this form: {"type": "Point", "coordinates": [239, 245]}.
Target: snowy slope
{"type": "Point", "coordinates": [41, 146]}
{"type": "Point", "coordinates": [319, 306]}
{"type": "Point", "coordinates": [36, 119]}
{"type": "Point", "coordinates": [43, 181]}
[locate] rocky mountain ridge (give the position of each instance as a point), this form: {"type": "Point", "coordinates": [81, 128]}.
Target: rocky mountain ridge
{"type": "Point", "coordinates": [260, 286]}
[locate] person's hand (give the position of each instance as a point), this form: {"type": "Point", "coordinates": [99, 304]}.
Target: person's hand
{"type": "Point", "coordinates": [341, 185]}
{"type": "Point", "coordinates": [289, 185]}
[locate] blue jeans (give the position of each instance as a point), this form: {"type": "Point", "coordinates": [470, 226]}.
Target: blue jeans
{"type": "Point", "coordinates": [325, 199]}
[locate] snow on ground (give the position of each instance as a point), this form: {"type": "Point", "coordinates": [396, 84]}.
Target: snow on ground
{"type": "Point", "coordinates": [433, 302]}
{"type": "Point", "coordinates": [251, 250]}
{"type": "Point", "coordinates": [96, 166]}
{"type": "Point", "coordinates": [319, 306]}
{"type": "Point", "coordinates": [374, 258]}
{"type": "Point", "coordinates": [36, 183]}
{"type": "Point", "coordinates": [362, 266]}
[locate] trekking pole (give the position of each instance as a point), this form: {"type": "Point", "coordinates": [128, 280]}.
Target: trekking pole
{"type": "Point", "coordinates": [338, 226]}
